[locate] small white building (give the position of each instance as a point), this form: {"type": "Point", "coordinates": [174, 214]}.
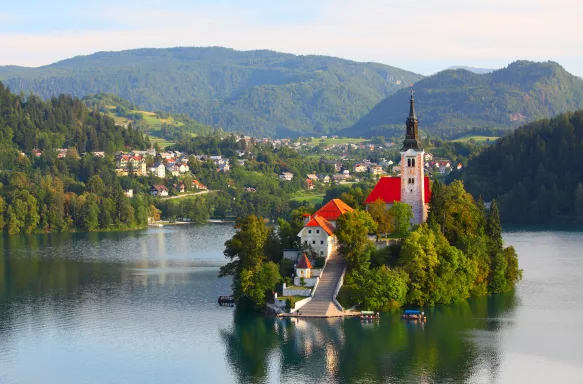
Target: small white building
{"type": "Point", "coordinates": [286, 176]}
{"type": "Point", "coordinates": [158, 170]}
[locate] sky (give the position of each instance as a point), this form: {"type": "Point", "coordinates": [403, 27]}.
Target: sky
{"type": "Point", "coordinates": [424, 36]}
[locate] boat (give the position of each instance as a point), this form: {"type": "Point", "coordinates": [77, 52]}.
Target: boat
{"type": "Point", "coordinates": [369, 315]}
{"type": "Point", "coordinates": [226, 301]}
{"type": "Point", "coordinates": [414, 315]}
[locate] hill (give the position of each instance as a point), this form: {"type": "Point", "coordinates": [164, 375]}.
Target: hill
{"type": "Point", "coordinates": [535, 172]}
{"type": "Point", "coordinates": [160, 126]}
{"type": "Point", "coordinates": [473, 69]}
{"type": "Point", "coordinates": [455, 101]}
{"type": "Point", "coordinates": [255, 92]}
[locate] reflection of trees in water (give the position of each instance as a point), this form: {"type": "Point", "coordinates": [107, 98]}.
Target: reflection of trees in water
{"type": "Point", "coordinates": [456, 341]}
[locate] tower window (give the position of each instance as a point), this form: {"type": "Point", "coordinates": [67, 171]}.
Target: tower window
{"type": "Point", "coordinates": [413, 162]}
{"type": "Point", "coordinates": [408, 162]}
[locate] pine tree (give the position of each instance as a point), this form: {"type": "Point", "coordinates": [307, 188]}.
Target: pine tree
{"type": "Point", "coordinates": [493, 227]}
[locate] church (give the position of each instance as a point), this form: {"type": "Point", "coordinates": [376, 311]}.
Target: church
{"type": "Point", "coordinates": [412, 187]}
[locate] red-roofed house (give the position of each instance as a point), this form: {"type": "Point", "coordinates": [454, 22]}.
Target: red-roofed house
{"type": "Point", "coordinates": [412, 187]}
{"type": "Point", "coordinates": [318, 231]}
{"type": "Point", "coordinates": [304, 267]}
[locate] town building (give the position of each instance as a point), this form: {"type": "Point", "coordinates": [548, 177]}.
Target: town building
{"type": "Point", "coordinates": [318, 231]}
{"type": "Point", "coordinates": [286, 176]}
{"type": "Point", "coordinates": [159, 190]}
{"type": "Point", "coordinates": [412, 187]}
{"type": "Point", "coordinates": [158, 170]}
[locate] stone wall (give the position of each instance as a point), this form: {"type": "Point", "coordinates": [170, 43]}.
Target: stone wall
{"type": "Point", "coordinates": [310, 282]}
{"type": "Point", "coordinates": [296, 292]}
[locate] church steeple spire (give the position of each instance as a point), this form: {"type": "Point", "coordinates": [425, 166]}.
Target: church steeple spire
{"type": "Point", "coordinates": [412, 133]}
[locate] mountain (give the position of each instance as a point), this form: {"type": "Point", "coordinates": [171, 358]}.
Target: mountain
{"type": "Point", "coordinates": [479, 71]}
{"type": "Point", "coordinates": [455, 101]}
{"type": "Point", "coordinates": [535, 172]}
{"type": "Point", "coordinates": [255, 92]}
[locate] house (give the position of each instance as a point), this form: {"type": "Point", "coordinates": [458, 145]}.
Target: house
{"type": "Point", "coordinates": [324, 178]}
{"type": "Point", "coordinates": [375, 169]}
{"type": "Point", "coordinates": [129, 193]}
{"type": "Point", "coordinates": [412, 187]}
{"type": "Point", "coordinates": [159, 190]}
{"type": "Point", "coordinates": [309, 184]}
{"type": "Point", "coordinates": [286, 176]}
{"type": "Point", "coordinates": [360, 168]}
{"type": "Point", "coordinates": [98, 154]}
{"type": "Point", "coordinates": [318, 231]}
{"type": "Point", "coordinates": [180, 187]}
{"type": "Point", "coordinates": [250, 189]}
{"type": "Point", "coordinates": [198, 185]}
{"type": "Point", "coordinates": [312, 176]}
{"type": "Point", "coordinates": [36, 153]}
{"type": "Point", "coordinates": [158, 170]}
{"type": "Point", "coordinates": [173, 169]}
{"type": "Point", "coordinates": [61, 153]}
{"type": "Point", "coordinates": [459, 166]}
{"type": "Point", "coordinates": [182, 167]}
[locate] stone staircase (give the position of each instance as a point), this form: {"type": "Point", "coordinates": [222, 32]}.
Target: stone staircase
{"type": "Point", "coordinates": [322, 303]}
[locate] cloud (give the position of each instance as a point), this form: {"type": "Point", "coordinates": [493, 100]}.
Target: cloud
{"type": "Point", "coordinates": [425, 33]}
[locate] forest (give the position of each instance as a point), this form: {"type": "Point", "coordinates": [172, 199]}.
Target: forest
{"type": "Point", "coordinates": [535, 172]}
{"type": "Point", "coordinates": [41, 192]}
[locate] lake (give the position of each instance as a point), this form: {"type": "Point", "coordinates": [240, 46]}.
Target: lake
{"type": "Point", "coordinates": [140, 307]}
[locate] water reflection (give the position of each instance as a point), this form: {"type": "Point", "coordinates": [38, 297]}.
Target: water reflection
{"type": "Point", "coordinates": [457, 341]}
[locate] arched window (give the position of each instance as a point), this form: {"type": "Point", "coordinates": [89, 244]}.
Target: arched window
{"type": "Point", "coordinates": [412, 162]}
{"type": "Point", "coordinates": [408, 162]}
{"type": "Point", "coordinates": [412, 181]}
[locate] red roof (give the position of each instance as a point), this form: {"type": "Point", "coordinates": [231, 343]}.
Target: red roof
{"type": "Point", "coordinates": [319, 221]}
{"type": "Point", "coordinates": [333, 210]}
{"type": "Point", "coordinates": [388, 189]}
{"type": "Point", "coordinates": [304, 263]}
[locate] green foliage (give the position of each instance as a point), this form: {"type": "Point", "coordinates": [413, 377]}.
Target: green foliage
{"type": "Point", "coordinates": [352, 229]}
{"type": "Point", "coordinates": [454, 101]}
{"type": "Point", "coordinates": [534, 173]}
{"type": "Point", "coordinates": [378, 289]}
{"type": "Point", "coordinates": [379, 213]}
{"type": "Point", "coordinates": [256, 92]}
{"type": "Point", "coordinates": [400, 215]}
{"type": "Point", "coordinates": [253, 273]}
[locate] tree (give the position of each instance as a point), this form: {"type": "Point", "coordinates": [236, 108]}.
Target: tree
{"type": "Point", "coordinates": [154, 213]}
{"type": "Point", "coordinates": [352, 229]}
{"type": "Point", "coordinates": [256, 281]}
{"type": "Point", "coordinates": [493, 228]}
{"type": "Point", "coordinates": [379, 213]}
{"type": "Point", "coordinates": [401, 215]}
{"type": "Point", "coordinates": [378, 289]}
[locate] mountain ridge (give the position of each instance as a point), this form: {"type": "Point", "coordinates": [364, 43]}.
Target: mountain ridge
{"type": "Point", "coordinates": [454, 101]}
{"type": "Point", "coordinates": [258, 92]}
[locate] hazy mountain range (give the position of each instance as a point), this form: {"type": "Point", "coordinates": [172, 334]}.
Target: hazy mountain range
{"type": "Point", "coordinates": [269, 93]}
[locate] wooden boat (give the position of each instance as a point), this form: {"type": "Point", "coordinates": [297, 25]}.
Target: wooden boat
{"type": "Point", "coordinates": [369, 315]}
{"type": "Point", "coordinates": [226, 300]}
{"type": "Point", "coordinates": [414, 315]}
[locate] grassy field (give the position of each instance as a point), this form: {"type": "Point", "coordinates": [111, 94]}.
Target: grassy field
{"type": "Point", "coordinates": [342, 140]}
{"type": "Point", "coordinates": [161, 142]}
{"type": "Point", "coordinates": [312, 198]}
{"type": "Point", "coordinates": [477, 139]}
{"type": "Point", "coordinates": [150, 118]}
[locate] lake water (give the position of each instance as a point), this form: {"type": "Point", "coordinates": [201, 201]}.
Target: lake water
{"type": "Point", "coordinates": [140, 307]}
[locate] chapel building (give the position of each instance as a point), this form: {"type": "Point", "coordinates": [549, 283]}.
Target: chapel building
{"type": "Point", "coordinates": [412, 187]}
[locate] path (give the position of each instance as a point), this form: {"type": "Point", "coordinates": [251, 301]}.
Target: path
{"type": "Point", "coordinates": [322, 304]}
{"type": "Point", "coordinates": [186, 195]}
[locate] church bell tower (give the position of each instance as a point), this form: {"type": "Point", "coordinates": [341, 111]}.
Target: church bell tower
{"type": "Point", "coordinates": [412, 168]}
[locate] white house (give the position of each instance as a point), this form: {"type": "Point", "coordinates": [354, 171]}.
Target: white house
{"type": "Point", "coordinates": [158, 170]}
{"type": "Point", "coordinates": [159, 190]}
{"type": "Point", "coordinates": [318, 231]}
{"type": "Point", "coordinates": [287, 176]}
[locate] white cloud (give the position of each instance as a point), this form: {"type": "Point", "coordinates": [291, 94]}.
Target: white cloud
{"type": "Point", "coordinates": [424, 33]}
